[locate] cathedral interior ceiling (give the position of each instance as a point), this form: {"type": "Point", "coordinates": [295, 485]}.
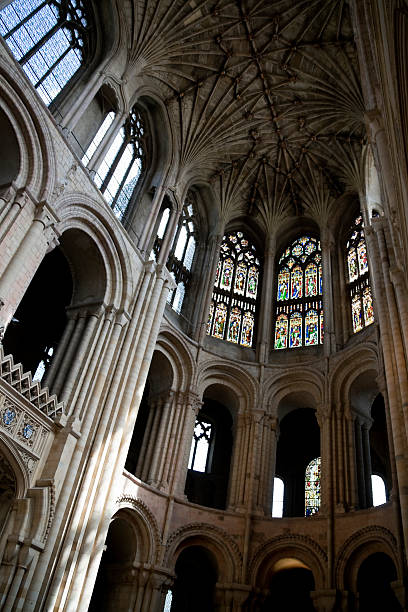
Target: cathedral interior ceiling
{"type": "Point", "coordinates": [265, 95]}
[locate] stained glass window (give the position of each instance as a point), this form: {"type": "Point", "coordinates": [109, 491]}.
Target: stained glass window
{"type": "Point", "coordinates": [49, 38]}
{"type": "Point", "coordinates": [358, 278]}
{"type": "Point", "coordinates": [299, 310]}
{"type": "Point", "coordinates": [200, 445]}
{"type": "Point", "coordinates": [232, 315]}
{"type": "Point", "coordinates": [182, 253]}
{"type": "Point", "coordinates": [119, 172]}
{"type": "Point", "coordinates": [312, 487]}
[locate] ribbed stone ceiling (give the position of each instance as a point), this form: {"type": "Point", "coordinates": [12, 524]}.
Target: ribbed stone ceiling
{"type": "Point", "coordinates": [265, 96]}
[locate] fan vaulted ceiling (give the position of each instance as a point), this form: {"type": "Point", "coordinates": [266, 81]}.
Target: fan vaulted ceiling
{"type": "Point", "coordinates": [265, 97]}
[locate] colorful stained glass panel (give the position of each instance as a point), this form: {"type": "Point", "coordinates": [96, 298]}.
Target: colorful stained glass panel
{"type": "Point", "coordinates": [352, 265]}
{"type": "Point", "coordinates": [220, 321]}
{"type": "Point", "coordinates": [247, 329]}
{"type": "Point", "coordinates": [311, 280]}
{"type": "Point", "coordinates": [311, 328]}
{"type": "Point", "coordinates": [296, 289]}
{"type": "Point", "coordinates": [356, 314]}
{"type": "Point", "coordinates": [312, 487]}
{"type": "Point", "coordinates": [321, 327]}
{"type": "Point", "coordinates": [252, 288]}
{"type": "Point", "coordinates": [240, 278]}
{"type": "Point", "coordinates": [362, 258]}
{"type": "Point", "coordinates": [368, 306]}
{"type": "Point", "coordinates": [234, 325]}
{"type": "Point", "coordinates": [281, 332]}
{"type": "Point", "coordinates": [217, 274]}
{"type": "Point", "coordinates": [210, 318]}
{"type": "Point", "coordinates": [283, 285]}
{"type": "Point", "coordinates": [226, 276]}
{"type": "Point", "coordinates": [295, 330]}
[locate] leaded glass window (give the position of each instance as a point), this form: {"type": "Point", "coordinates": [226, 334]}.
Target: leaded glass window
{"type": "Point", "coordinates": [182, 253]}
{"type": "Point", "coordinates": [97, 139]}
{"type": "Point", "coordinates": [119, 172]}
{"type": "Point", "coordinates": [358, 278]}
{"type": "Point", "coordinates": [312, 487]}
{"type": "Point", "coordinates": [299, 309]}
{"type": "Point", "coordinates": [199, 452]}
{"type": "Point", "coordinates": [49, 38]}
{"type": "Point", "coordinates": [233, 309]}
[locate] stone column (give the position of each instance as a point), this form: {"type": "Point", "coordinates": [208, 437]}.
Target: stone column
{"type": "Point", "coordinates": [20, 269]}
{"type": "Point", "coordinates": [106, 143]}
{"type": "Point", "coordinates": [360, 462]}
{"type": "Point", "coordinates": [351, 471]}
{"type": "Point", "coordinates": [169, 236]}
{"type": "Point", "coordinates": [169, 477]}
{"type": "Point", "coordinates": [326, 445]}
{"type": "Point", "coordinates": [155, 410]}
{"type": "Point", "coordinates": [367, 462]}
{"type": "Point", "coordinates": [239, 483]}
{"type": "Point", "coordinates": [324, 600]}
{"type": "Point", "coordinates": [268, 462]}
{"type": "Point", "coordinates": [267, 313]}
{"type": "Point", "coordinates": [161, 441]}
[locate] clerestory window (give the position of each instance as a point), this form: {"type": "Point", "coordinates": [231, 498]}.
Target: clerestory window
{"type": "Point", "coordinates": [233, 308]}
{"type": "Point", "coordinates": [200, 446]}
{"type": "Point", "coordinates": [182, 253]}
{"type": "Point", "coordinates": [118, 174]}
{"type": "Point", "coordinates": [358, 277]}
{"type": "Point", "coordinates": [49, 38]}
{"type": "Point", "coordinates": [299, 309]}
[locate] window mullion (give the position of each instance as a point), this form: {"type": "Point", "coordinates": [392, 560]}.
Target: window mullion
{"type": "Point", "coordinates": [50, 70]}
{"type": "Point", "coordinates": [123, 181]}
{"type": "Point", "coordinates": [39, 44]}
{"type": "Point", "coordinates": [114, 165]}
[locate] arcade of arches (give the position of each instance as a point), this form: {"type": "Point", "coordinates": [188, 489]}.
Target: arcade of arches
{"type": "Point", "coordinates": [203, 305]}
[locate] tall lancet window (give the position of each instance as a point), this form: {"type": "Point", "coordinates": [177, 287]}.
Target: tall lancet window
{"type": "Point", "coordinates": [182, 253]}
{"type": "Point", "coordinates": [358, 278]}
{"type": "Point", "coordinates": [119, 172]}
{"type": "Point", "coordinates": [233, 309]}
{"type": "Point", "coordinates": [299, 310]}
{"type": "Point", "coordinates": [312, 487]}
{"type": "Point", "coordinates": [49, 38]}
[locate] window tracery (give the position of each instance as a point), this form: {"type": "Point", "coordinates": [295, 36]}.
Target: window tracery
{"type": "Point", "coordinates": [119, 172]}
{"type": "Point", "coordinates": [200, 445]}
{"type": "Point", "coordinates": [182, 254]}
{"type": "Point", "coordinates": [312, 487]}
{"type": "Point", "coordinates": [299, 310]}
{"type": "Point", "coordinates": [49, 38]}
{"type": "Point", "coordinates": [232, 314]}
{"type": "Point", "coordinates": [358, 278]}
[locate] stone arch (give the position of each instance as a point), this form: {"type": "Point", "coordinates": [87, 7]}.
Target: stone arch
{"type": "Point", "coordinates": [299, 384]}
{"type": "Point", "coordinates": [215, 539]}
{"type": "Point", "coordinates": [302, 548]}
{"type": "Point", "coordinates": [236, 379]}
{"type": "Point", "coordinates": [178, 353]}
{"type": "Point", "coordinates": [358, 547]}
{"type": "Point", "coordinates": [13, 457]}
{"type": "Point", "coordinates": [144, 524]}
{"type": "Point", "coordinates": [81, 213]}
{"type": "Point", "coordinates": [24, 112]}
{"type": "Point", "coordinates": [355, 364]}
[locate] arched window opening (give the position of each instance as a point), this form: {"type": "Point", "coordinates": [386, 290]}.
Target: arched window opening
{"type": "Point", "coordinates": [200, 446]}
{"type": "Point", "coordinates": [358, 278]}
{"type": "Point", "coordinates": [312, 487]}
{"type": "Point", "coordinates": [49, 38]}
{"type": "Point", "coordinates": [118, 174]}
{"type": "Point", "coordinates": [210, 456]}
{"type": "Point", "coordinates": [38, 324]}
{"type": "Point", "coordinates": [97, 139]}
{"type": "Point", "coordinates": [277, 503]}
{"type": "Point", "coordinates": [299, 309]}
{"type": "Point", "coordinates": [378, 488]}
{"type": "Point", "coordinates": [298, 445]}
{"type": "Point", "coordinates": [161, 230]}
{"type": "Point", "coordinates": [182, 253]}
{"type": "Point", "coordinates": [233, 309]}
{"type": "Point", "coordinates": [168, 601]}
